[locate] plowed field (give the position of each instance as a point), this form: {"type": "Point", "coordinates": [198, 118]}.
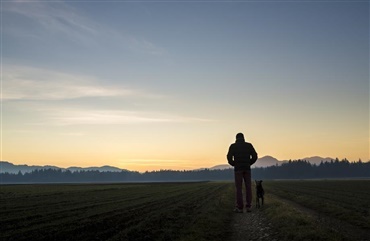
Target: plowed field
{"type": "Point", "coordinates": [147, 211]}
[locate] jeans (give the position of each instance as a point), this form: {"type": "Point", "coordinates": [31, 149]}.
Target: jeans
{"type": "Point", "coordinates": [239, 177]}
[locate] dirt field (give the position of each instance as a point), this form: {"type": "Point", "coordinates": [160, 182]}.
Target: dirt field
{"type": "Point", "coordinates": [152, 211]}
{"type": "Point", "coordinates": [293, 210]}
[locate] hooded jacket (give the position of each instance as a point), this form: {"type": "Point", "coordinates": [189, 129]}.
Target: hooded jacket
{"type": "Point", "coordinates": [241, 155]}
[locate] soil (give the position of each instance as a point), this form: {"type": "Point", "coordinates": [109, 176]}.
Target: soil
{"type": "Point", "coordinates": [253, 226]}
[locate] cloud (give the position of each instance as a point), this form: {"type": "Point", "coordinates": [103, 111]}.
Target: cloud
{"type": "Point", "coordinates": [156, 164]}
{"type": "Point", "coordinates": [64, 22]}
{"type": "Point", "coordinates": [54, 18]}
{"type": "Point", "coordinates": [28, 83]}
{"type": "Point", "coordinates": [72, 134]}
{"type": "Point", "coordinates": [42, 91]}
{"type": "Point", "coordinates": [114, 117]}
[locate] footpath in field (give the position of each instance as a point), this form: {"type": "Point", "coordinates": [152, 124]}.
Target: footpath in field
{"type": "Point", "coordinates": [253, 226]}
{"type": "Point", "coordinates": [309, 210]}
{"type": "Point", "coordinates": [256, 225]}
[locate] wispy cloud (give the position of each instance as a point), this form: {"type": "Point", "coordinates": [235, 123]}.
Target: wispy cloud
{"type": "Point", "coordinates": [42, 92]}
{"type": "Point", "coordinates": [157, 164]}
{"type": "Point", "coordinates": [114, 117]}
{"type": "Point", "coordinates": [63, 22]}
{"type": "Point", "coordinates": [27, 83]}
{"type": "Point", "coordinates": [72, 134]}
{"type": "Point", "coordinates": [52, 18]}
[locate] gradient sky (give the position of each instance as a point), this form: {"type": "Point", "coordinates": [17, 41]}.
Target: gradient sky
{"type": "Point", "coordinates": [148, 85]}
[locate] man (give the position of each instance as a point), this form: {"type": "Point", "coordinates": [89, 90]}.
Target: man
{"type": "Point", "coordinates": [242, 156]}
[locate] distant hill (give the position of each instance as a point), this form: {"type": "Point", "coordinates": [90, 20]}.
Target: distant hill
{"type": "Point", "coordinates": [101, 169]}
{"type": "Point", "coordinates": [264, 161]}
{"type": "Point", "coordinates": [220, 167]}
{"type": "Point", "coordinates": [317, 160]}
{"type": "Point", "coordinates": [12, 168]}
{"type": "Point", "coordinates": [267, 161]}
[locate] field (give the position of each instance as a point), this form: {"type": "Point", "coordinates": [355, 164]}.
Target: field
{"type": "Point", "coordinates": [297, 210]}
{"type": "Point", "coordinates": [346, 200]}
{"type": "Point", "coordinates": [150, 211]}
{"type": "Point", "coordinates": [320, 209]}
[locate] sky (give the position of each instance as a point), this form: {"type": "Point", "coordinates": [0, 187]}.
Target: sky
{"type": "Point", "coordinates": [150, 85]}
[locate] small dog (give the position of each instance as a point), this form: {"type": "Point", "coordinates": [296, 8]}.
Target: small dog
{"type": "Point", "coordinates": [259, 193]}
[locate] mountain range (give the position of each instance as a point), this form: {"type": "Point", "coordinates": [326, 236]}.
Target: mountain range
{"type": "Point", "coordinates": [12, 168]}
{"type": "Point", "coordinates": [261, 162]}
{"type": "Point", "coordinates": [267, 161]}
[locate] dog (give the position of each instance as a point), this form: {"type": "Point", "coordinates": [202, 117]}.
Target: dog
{"type": "Point", "coordinates": [259, 193]}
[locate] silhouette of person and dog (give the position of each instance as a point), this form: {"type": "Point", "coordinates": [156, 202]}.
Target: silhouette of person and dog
{"type": "Point", "coordinates": [242, 156]}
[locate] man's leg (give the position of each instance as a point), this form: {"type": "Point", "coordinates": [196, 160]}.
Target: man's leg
{"type": "Point", "coordinates": [238, 176]}
{"type": "Point", "coordinates": [248, 188]}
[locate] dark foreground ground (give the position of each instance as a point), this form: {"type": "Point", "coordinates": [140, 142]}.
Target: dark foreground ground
{"type": "Point", "coordinates": [146, 211]}
{"type": "Point", "coordinates": [293, 210]}
{"type": "Point", "coordinates": [309, 210]}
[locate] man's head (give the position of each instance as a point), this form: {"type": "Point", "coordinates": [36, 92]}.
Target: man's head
{"type": "Point", "coordinates": [240, 136]}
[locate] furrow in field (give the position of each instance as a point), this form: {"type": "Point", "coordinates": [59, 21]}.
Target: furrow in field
{"type": "Point", "coordinates": [352, 209]}
{"type": "Point", "coordinates": [76, 204]}
{"type": "Point", "coordinates": [172, 221]}
{"type": "Point", "coordinates": [106, 218]}
{"type": "Point", "coordinates": [348, 230]}
{"type": "Point", "coordinates": [355, 207]}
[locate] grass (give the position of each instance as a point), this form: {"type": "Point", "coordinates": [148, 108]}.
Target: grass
{"type": "Point", "coordinates": [345, 200]}
{"type": "Point", "coordinates": [148, 211]}
{"type": "Point", "coordinates": [295, 225]}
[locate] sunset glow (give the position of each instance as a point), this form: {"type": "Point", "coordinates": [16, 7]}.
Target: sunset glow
{"type": "Point", "coordinates": [167, 85]}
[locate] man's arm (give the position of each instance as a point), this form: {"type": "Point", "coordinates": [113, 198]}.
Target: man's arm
{"type": "Point", "coordinates": [230, 156]}
{"type": "Point", "coordinates": [254, 155]}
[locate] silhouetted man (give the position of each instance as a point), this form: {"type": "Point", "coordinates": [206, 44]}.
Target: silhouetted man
{"type": "Point", "coordinates": [242, 156]}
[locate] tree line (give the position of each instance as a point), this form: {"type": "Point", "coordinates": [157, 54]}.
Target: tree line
{"type": "Point", "coordinates": [301, 169]}
{"type": "Point", "coordinates": [296, 169]}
